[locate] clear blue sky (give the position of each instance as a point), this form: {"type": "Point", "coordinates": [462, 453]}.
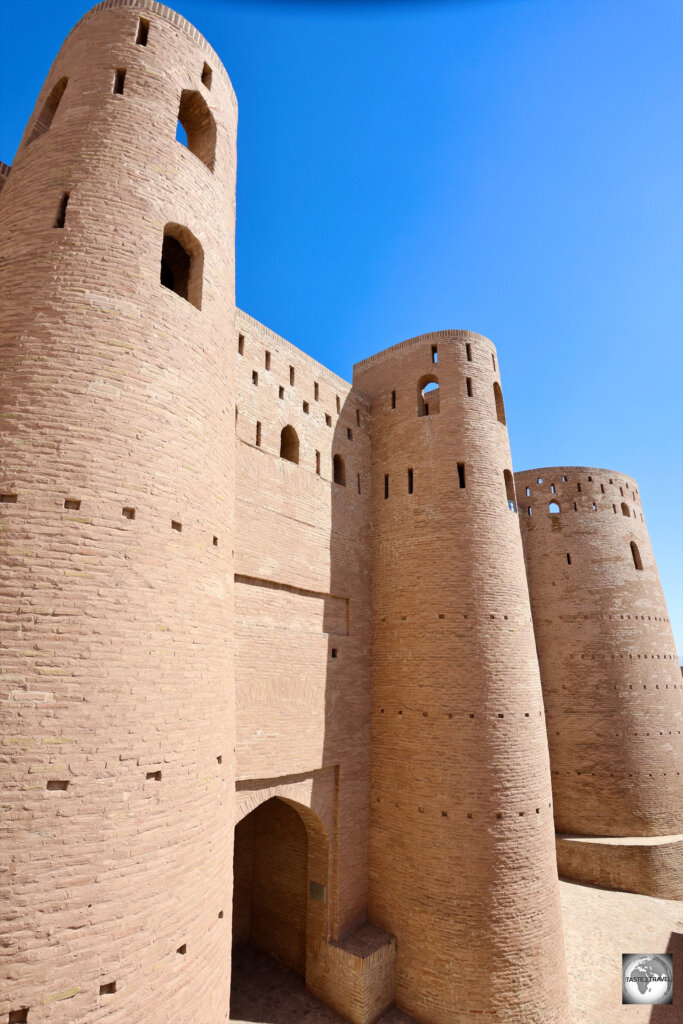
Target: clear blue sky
{"type": "Point", "coordinates": [513, 168]}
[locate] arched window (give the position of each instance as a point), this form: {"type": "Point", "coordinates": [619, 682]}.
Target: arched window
{"type": "Point", "coordinates": [637, 560]}
{"type": "Point", "coordinates": [553, 508]}
{"type": "Point", "coordinates": [510, 490]}
{"type": "Point", "coordinates": [199, 126]}
{"type": "Point", "coordinates": [182, 264]}
{"type": "Point", "coordinates": [498, 398]}
{"type": "Point", "coordinates": [339, 470]}
{"type": "Point", "coordinates": [428, 400]}
{"type": "Point", "coordinates": [49, 109]}
{"type": "Point", "coordinates": [624, 509]}
{"type": "Point", "coordinates": [289, 444]}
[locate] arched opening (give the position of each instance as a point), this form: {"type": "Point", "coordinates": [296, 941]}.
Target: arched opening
{"type": "Point", "coordinates": [428, 398]}
{"type": "Point", "coordinates": [49, 109]}
{"type": "Point", "coordinates": [339, 470]}
{"type": "Point", "coordinates": [198, 127]}
{"type": "Point", "coordinates": [553, 508]}
{"type": "Point", "coordinates": [625, 509]}
{"type": "Point", "coordinates": [510, 490]}
{"type": "Point", "coordinates": [280, 896]}
{"type": "Point", "coordinates": [182, 264]}
{"type": "Point", "coordinates": [637, 560]}
{"type": "Point", "coordinates": [498, 398]}
{"type": "Point", "coordinates": [289, 444]}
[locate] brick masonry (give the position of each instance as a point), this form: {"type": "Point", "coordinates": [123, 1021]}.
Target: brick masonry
{"type": "Point", "coordinates": [214, 622]}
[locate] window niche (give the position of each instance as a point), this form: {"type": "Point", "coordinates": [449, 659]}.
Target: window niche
{"type": "Point", "coordinates": [289, 445]}
{"type": "Point", "coordinates": [198, 127]}
{"type": "Point", "coordinates": [49, 110]}
{"type": "Point", "coordinates": [182, 264]}
{"type": "Point", "coordinates": [339, 470]}
{"type": "Point", "coordinates": [428, 397]}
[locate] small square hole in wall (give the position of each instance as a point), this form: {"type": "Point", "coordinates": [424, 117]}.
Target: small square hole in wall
{"type": "Point", "coordinates": [281, 392]}
{"type": "Point", "coordinates": [154, 776]}
{"type": "Point", "coordinates": [8, 499]}
{"type": "Point", "coordinates": [219, 759]}
{"type": "Point", "coordinates": [72, 503]}
{"type": "Point", "coordinates": [175, 525]}
{"type": "Point", "coordinates": [19, 1016]}
{"type": "Point", "coordinates": [328, 420]}
{"type": "Point", "coordinates": [215, 542]}
{"type": "Point", "coordinates": [108, 989]}
{"type": "Point", "coordinates": [128, 513]}
{"type": "Point", "coordinates": [182, 949]}
{"type": "Point", "coordinates": [220, 913]}
{"type": "Point", "coordinates": [334, 652]}
{"type": "Point", "coordinates": [207, 75]}
{"type": "Point", "coordinates": [58, 784]}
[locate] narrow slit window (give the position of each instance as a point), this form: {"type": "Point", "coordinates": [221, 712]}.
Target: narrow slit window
{"type": "Point", "coordinates": [317, 463]}
{"type": "Point", "coordinates": [339, 470]}
{"type": "Point", "coordinates": [328, 420]}
{"type": "Point", "coordinates": [575, 508]}
{"type": "Point", "coordinates": [461, 475]}
{"type": "Point", "coordinates": [291, 376]}
{"type": "Point", "coordinates": [305, 406]}
{"type": "Point", "coordinates": [119, 79]}
{"type": "Point", "coordinates": [552, 488]}
{"type": "Point", "coordinates": [207, 75]}
{"type": "Point", "coordinates": [494, 362]}
{"type": "Point", "coordinates": [529, 511]}
{"type": "Point", "coordinates": [240, 345]}
{"type": "Point", "coordinates": [267, 360]}
{"type": "Point", "coordinates": [564, 479]}
{"type": "Point", "coordinates": [316, 391]}
{"type": "Point", "coordinates": [469, 387]}
{"type": "Point", "coordinates": [435, 354]}
{"type": "Point", "coordinates": [338, 403]}
{"type": "Point", "coordinates": [349, 433]}
{"type": "Point", "coordinates": [254, 377]}
{"type": "Point", "coordinates": [60, 216]}
{"type": "Point", "coordinates": [393, 399]}
{"type": "Point", "coordinates": [359, 483]}
{"type": "Point", "coordinates": [578, 487]}
{"type": "Point", "coordinates": [528, 491]}
{"type": "Point", "coordinates": [143, 32]}
{"type": "Point", "coordinates": [510, 490]}
{"type": "Point", "coordinates": [357, 417]}
{"type": "Point", "coordinates": [386, 486]}
{"type": "Point", "coordinates": [637, 561]}
{"type": "Point", "coordinates": [602, 488]}
{"type": "Point", "coordinates": [468, 352]}
{"type": "Point", "coordinates": [281, 392]}
{"type": "Point", "coordinates": [569, 559]}
{"type": "Point", "coordinates": [410, 481]}
{"type": "Point", "coordinates": [258, 433]}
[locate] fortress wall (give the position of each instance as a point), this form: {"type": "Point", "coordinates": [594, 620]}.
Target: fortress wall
{"type": "Point", "coordinates": [116, 421]}
{"type": "Point", "coordinates": [302, 593]}
{"type": "Point", "coordinates": [462, 864]}
{"type": "Point", "coordinates": [611, 681]}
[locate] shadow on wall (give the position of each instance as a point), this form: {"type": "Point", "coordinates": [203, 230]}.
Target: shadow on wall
{"type": "Point", "coordinates": [296, 886]}
{"type": "Point", "coordinates": [673, 1013]}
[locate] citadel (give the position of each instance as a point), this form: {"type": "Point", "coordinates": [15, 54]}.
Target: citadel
{"type": "Point", "coordinates": [286, 661]}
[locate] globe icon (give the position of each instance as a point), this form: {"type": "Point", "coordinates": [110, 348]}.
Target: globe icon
{"type": "Point", "coordinates": [647, 978]}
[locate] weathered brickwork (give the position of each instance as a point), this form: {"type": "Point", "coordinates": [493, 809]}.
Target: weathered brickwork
{"type": "Point", "coordinates": [268, 665]}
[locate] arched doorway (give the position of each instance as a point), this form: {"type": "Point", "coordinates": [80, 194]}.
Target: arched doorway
{"type": "Point", "coordinates": [280, 895]}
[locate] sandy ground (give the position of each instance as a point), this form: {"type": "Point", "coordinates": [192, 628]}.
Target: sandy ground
{"type": "Point", "coordinates": [599, 926]}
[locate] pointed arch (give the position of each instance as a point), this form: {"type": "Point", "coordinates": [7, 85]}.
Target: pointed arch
{"type": "Point", "coordinates": [637, 560]}
{"type": "Point", "coordinates": [49, 110]}
{"type": "Point", "coordinates": [200, 126]}
{"type": "Point", "coordinates": [498, 399]}
{"type": "Point", "coordinates": [289, 444]}
{"type": "Point", "coordinates": [182, 263]}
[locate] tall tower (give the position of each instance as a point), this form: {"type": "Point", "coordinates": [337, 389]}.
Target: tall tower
{"type": "Point", "coordinates": [462, 842]}
{"type": "Point", "coordinates": [116, 485]}
{"type": "Point", "coordinates": [611, 681]}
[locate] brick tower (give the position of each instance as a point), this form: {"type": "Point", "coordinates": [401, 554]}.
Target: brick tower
{"type": "Point", "coordinates": [462, 864]}
{"type": "Point", "coordinates": [116, 484]}
{"type": "Point", "coordinates": [611, 681]}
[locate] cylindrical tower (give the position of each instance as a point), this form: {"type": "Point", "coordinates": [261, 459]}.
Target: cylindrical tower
{"type": "Point", "coordinates": [611, 681]}
{"type": "Point", "coordinates": [116, 506]}
{"type": "Point", "coordinates": [462, 843]}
